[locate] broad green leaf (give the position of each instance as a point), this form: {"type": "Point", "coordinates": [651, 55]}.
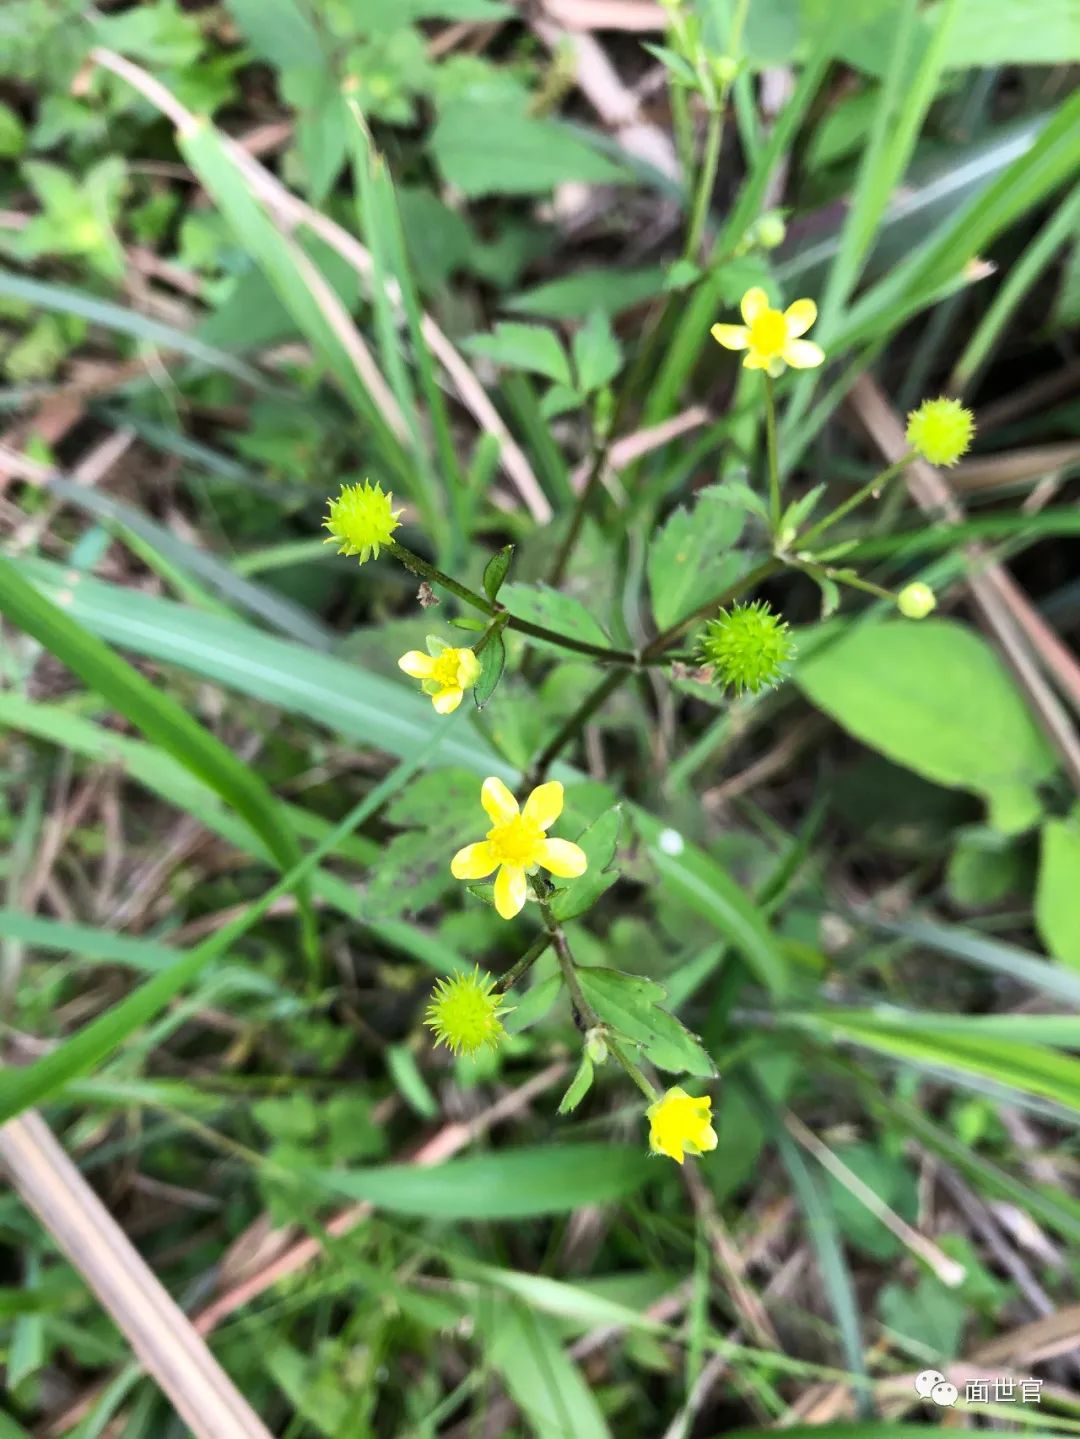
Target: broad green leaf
{"type": "Point", "coordinates": [556, 611]}
{"type": "Point", "coordinates": [1057, 899]}
{"type": "Point", "coordinates": [155, 713]}
{"type": "Point", "coordinates": [631, 1005]}
{"type": "Point", "coordinates": [1012, 32]}
{"type": "Point", "coordinates": [512, 1184]}
{"type": "Point", "coordinates": [599, 842]}
{"type": "Point", "coordinates": [933, 696]}
{"type": "Point", "coordinates": [524, 347]}
{"type": "Point", "coordinates": [575, 296]}
{"type": "Point", "coordinates": [487, 149]}
{"type": "Point", "coordinates": [597, 353]}
{"type": "Point", "coordinates": [544, 1382]}
{"type": "Point", "coordinates": [700, 882]}
{"type": "Point", "coordinates": [692, 558]}
{"type": "Point", "coordinates": [928, 1315]}
{"type": "Point", "coordinates": [579, 1086]}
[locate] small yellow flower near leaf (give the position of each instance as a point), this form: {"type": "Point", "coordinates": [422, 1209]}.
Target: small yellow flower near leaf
{"type": "Point", "coordinates": [940, 430]}
{"type": "Point", "coordinates": [361, 519]}
{"type": "Point", "coordinates": [915, 601]}
{"type": "Point", "coordinates": [771, 337]}
{"type": "Point", "coordinates": [517, 842]}
{"type": "Point", "coordinates": [464, 1014]}
{"type": "Point", "coordinates": [446, 672]}
{"type": "Point", "coordinates": [679, 1125]}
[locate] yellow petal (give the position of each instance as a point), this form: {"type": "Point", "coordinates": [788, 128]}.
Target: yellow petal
{"type": "Point", "coordinates": [497, 800]}
{"type": "Point", "coordinates": [544, 805]}
{"type": "Point", "coordinates": [447, 700]}
{"type": "Point", "coordinates": [799, 316]}
{"type": "Point", "coordinates": [468, 670]}
{"type": "Point", "coordinates": [732, 337]}
{"type": "Point", "coordinates": [510, 891]}
{"type": "Point", "coordinates": [706, 1140]}
{"type": "Point", "coordinates": [756, 361]}
{"type": "Point", "coordinates": [753, 302]}
{"type": "Point", "coordinates": [475, 861]}
{"type": "Point", "coordinates": [563, 858]}
{"type": "Point", "coordinates": [417, 664]}
{"type": "Point", "coordinates": [803, 354]}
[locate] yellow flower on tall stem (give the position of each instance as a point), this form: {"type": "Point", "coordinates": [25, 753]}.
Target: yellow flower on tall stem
{"type": "Point", "coordinates": [517, 842]}
{"type": "Point", "coordinates": [771, 337]}
{"type": "Point", "coordinates": [446, 673]}
{"type": "Point", "coordinates": [679, 1125]}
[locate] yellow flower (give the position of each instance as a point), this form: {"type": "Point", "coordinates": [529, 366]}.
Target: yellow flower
{"type": "Point", "coordinates": [446, 672]}
{"type": "Point", "coordinates": [464, 1013]}
{"type": "Point", "coordinates": [516, 844]}
{"type": "Point", "coordinates": [360, 520]}
{"type": "Point", "coordinates": [770, 337]}
{"type": "Point", "coordinates": [915, 601]}
{"type": "Point", "coordinates": [940, 430]}
{"type": "Point", "coordinates": [679, 1125]}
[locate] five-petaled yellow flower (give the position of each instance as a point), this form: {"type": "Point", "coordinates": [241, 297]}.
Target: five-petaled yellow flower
{"type": "Point", "coordinates": [679, 1125]}
{"type": "Point", "coordinates": [516, 843]}
{"type": "Point", "coordinates": [361, 519]}
{"type": "Point", "coordinates": [446, 672]}
{"type": "Point", "coordinates": [771, 337]}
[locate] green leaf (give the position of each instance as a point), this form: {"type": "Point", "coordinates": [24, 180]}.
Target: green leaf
{"type": "Point", "coordinates": [1057, 898]}
{"type": "Point", "coordinates": [597, 353]}
{"type": "Point", "coordinates": [154, 712]}
{"type": "Point", "coordinates": [556, 611]}
{"type": "Point", "coordinates": [512, 1184]}
{"type": "Point", "coordinates": [696, 879]}
{"type": "Point", "coordinates": [891, 1180]}
{"type": "Point", "coordinates": [492, 663]}
{"type": "Point", "coordinates": [933, 696]}
{"type": "Point", "coordinates": [579, 1086]}
{"type": "Point", "coordinates": [929, 1316]}
{"type": "Point", "coordinates": [692, 557]}
{"type": "Point", "coordinates": [411, 1084]}
{"type": "Point", "coordinates": [631, 1005]}
{"type": "Point", "coordinates": [532, 1004]}
{"type": "Point", "coordinates": [1012, 32]}
{"type": "Point", "coordinates": [496, 570]}
{"type": "Point", "coordinates": [576, 296]}
{"type": "Point", "coordinates": [599, 842]}
{"type": "Point", "coordinates": [524, 347]}
{"type": "Point", "coordinates": [526, 1348]}
{"type": "Point", "coordinates": [496, 149]}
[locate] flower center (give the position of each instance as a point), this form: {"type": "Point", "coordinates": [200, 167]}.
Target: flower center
{"type": "Point", "coordinates": [768, 333]}
{"type": "Point", "coordinates": [445, 669]}
{"type": "Point", "coordinates": [516, 842]}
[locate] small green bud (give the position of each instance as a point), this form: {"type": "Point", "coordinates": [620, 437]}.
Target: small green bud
{"type": "Point", "coordinates": [725, 68]}
{"type": "Point", "coordinates": [771, 230]}
{"type": "Point", "coordinates": [603, 412]}
{"type": "Point", "coordinates": [747, 646]}
{"type": "Point", "coordinates": [915, 601]}
{"type": "Point", "coordinates": [596, 1046]}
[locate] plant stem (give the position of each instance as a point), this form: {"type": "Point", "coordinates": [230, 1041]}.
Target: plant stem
{"type": "Point", "coordinates": [876, 485]}
{"type": "Point", "coordinates": [426, 571]}
{"type": "Point", "coordinates": [616, 1049]}
{"type": "Point", "coordinates": [576, 722]}
{"type": "Point", "coordinates": [774, 461]}
{"type": "Point", "coordinates": [581, 509]}
{"type": "Point", "coordinates": [706, 179]}
{"type": "Point", "coordinates": [523, 965]}
{"type": "Point", "coordinates": [654, 651]}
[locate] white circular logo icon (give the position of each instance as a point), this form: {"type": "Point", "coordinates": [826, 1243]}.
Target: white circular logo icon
{"type": "Point", "coordinates": [944, 1393]}
{"type": "Point", "coordinates": [927, 1381]}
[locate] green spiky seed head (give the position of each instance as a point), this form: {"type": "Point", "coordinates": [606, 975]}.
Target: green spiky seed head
{"type": "Point", "coordinates": [940, 431]}
{"type": "Point", "coordinates": [748, 647]}
{"type": "Point", "coordinates": [464, 1014]}
{"type": "Point", "coordinates": [361, 519]}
